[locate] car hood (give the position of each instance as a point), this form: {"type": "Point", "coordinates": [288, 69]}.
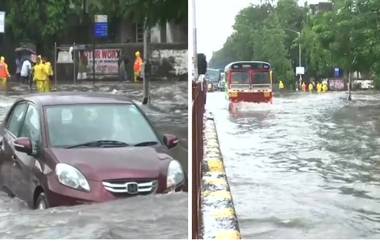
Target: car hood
{"type": "Point", "coordinates": [99, 164]}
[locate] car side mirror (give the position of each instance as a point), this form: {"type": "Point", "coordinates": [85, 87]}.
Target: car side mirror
{"type": "Point", "coordinates": [170, 140]}
{"type": "Point", "coordinates": [23, 144]}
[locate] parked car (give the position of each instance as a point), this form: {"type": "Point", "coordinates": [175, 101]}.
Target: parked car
{"type": "Point", "coordinates": [67, 148]}
{"type": "Point", "coordinates": [363, 84]}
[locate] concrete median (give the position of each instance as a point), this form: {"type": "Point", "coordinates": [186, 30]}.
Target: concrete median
{"type": "Point", "coordinates": [219, 220]}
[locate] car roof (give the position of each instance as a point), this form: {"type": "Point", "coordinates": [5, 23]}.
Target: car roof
{"type": "Point", "coordinates": [66, 98]}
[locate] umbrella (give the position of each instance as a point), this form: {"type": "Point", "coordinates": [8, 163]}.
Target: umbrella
{"type": "Point", "coordinates": [20, 49]}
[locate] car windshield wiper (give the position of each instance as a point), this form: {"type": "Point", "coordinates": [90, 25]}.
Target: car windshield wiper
{"type": "Point", "coordinates": [146, 143]}
{"type": "Point", "coordinates": [100, 143]}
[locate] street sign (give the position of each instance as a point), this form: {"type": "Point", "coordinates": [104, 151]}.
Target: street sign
{"type": "Point", "coordinates": [101, 26]}
{"type": "Point", "coordinates": [101, 18]}
{"type": "Point", "coordinates": [300, 70]}
{"type": "Point", "coordinates": [2, 22]}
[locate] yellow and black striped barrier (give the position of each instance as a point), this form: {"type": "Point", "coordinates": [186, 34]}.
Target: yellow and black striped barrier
{"type": "Point", "coordinates": [219, 219]}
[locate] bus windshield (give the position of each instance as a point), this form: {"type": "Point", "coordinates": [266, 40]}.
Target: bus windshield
{"type": "Point", "coordinates": [261, 78]}
{"type": "Point", "coordinates": [240, 78]}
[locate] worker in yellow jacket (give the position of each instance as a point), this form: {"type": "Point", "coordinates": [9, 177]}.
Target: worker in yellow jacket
{"type": "Point", "coordinates": [325, 88]}
{"type": "Point", "coordinates": [311, 87]}
{"type": "Point", "coordinates": [49, 73]}
{"type": "Point", "coordinates": [319, 87]}
{"type": "Point", "coordinates": [281, 85]}
{"type": "Point", "coordinates": [40, 74]}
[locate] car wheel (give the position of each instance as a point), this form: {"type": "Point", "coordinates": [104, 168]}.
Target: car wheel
{"type": "Point", "coordinates": [41, 202]}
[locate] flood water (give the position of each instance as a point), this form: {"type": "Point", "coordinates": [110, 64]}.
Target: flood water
{"type": "Point", "coordinates": [306, 166]}
{"type": "Point", "coordinates": [154, 216]}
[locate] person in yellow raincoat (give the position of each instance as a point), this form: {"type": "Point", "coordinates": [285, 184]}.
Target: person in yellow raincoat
{"type": "Point", "coordinates": [311, 87]}
{"type": "Point", "coordinates": [281, 85]}
{"type": "Point", "coordinates": [325, 87]}
{"type": "Point", "coordinates": [319, 87]}
{"type": "Point", "coordinates": [137, 67]}
{"type": "Point", "coordinates": [40, 74]}
{"type": "Point", "coordinates": [49, 72]}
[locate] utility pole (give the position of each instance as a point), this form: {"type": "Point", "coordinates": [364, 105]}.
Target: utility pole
{"type": "Point", "coordinates": [299, 53]}
{"type": "Point", "coordinates": [147, 64]}
{"type": "Point", "coordinates": [349, 86]}
{"type": "Point", "coordinates": [195, 60]}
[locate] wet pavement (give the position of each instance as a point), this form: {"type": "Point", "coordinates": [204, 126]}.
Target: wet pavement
{"type": "Point", "coordinates": [154, 216]}
{"type": "Point", "coordinates": [307, 166]}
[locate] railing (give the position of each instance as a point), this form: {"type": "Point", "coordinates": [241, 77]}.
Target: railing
{"type": "Point", "coordinates": [199, 90]}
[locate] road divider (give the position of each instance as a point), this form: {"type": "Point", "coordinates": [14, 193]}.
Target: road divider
{"type": "Point", "coordinates": [219, 220]}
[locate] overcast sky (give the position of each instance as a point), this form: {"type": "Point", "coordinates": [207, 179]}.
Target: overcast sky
{"type": "Point", "coordinates": [214, 19]}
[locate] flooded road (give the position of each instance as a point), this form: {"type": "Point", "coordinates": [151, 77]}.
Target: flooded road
{"type": "Point", "coordinates": [154, 216]}
{"type": "Point", "coordinates": [307, 166]}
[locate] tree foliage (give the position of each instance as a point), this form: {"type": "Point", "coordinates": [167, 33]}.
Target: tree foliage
{"type": "Point", "coordinates": [44, 22]}
{"type": "Point", "coordinates": [347, 37]}
{"type": "Point", "coordinates": [258, 35]}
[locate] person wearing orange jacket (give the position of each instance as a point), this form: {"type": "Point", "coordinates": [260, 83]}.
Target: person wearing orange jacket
{"type": "Point", "coordinates": [137, 67]}
{"type": "Point", "coordinates": [4, 73]}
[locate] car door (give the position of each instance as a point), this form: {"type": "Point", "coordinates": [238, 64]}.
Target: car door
{"type": "Point", "coordinates": [23, 163]}
{"type": "Point", "coordinates": [9, 133]}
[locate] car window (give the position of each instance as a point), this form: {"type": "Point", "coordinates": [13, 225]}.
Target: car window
{"type": "Point", "coordinates": [31, 127]}
{"type": "Point", "coordinates": [75, 124]}
{"type": "Point", "coordinates": [16, 118]}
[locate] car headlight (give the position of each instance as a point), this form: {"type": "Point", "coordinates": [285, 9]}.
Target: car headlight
{"type": "Point", "coordinates": [175, 175]}
{"type": "Point", "coordinates": [71, 177]}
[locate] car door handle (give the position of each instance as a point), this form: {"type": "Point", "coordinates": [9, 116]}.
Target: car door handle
{"type": "Point", "coordinates": [14, 157]}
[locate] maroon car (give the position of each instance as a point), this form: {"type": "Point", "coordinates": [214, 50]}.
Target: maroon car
{"type": "Point", "coordinates": [67, 149]}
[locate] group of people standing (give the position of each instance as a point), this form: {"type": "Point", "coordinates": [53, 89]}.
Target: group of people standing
{"type": "Point", "coordinates": [320, 87]}
{"type": "Point", "coordinates": [41, 73]}
{"type": "Point", "coordinates": [137, 67]}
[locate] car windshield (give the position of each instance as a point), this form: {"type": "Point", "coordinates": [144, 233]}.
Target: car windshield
{"type": "Point", "coordinates": [98, 124]}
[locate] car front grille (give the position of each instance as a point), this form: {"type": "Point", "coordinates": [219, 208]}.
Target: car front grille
{"type": "Point", "coordinates": [130, 187]}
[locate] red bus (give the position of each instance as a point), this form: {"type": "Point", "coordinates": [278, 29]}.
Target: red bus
{"type": "Point", "coordinates": [249, 81]}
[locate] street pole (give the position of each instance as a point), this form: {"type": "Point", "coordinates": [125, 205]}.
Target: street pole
{"type": "Point", "coordinates": [299, 54]}
{"type": "Point", "coordinates": [299, 57]}
{"type": "Point", "coordinates": [195, 60]}
{"type": "Point", "coordinates": [74, 75]}
{"type": "Point", "coordinates": [55, 65]}
{"type": "Point", "coordinates": [146, 65]}
{"type": "Point", "coordinates": [93, 59]}
{"type": "Point", "coordinates": [299, 49]}
{"type": "Point", "coordinates": [349, 86]}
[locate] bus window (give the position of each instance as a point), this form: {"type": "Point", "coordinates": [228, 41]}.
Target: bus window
{"type": "Point", "coordinates": [261, 78]}
{"type": "Point", "coordinates": [240, 78]}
